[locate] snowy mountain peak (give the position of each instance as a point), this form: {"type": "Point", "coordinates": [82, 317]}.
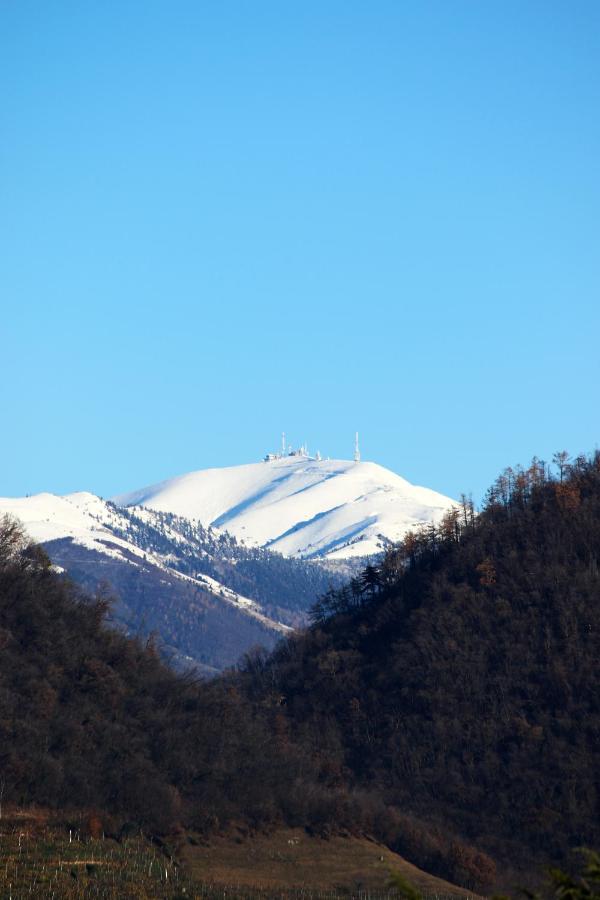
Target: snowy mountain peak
{"type": "Point", "coordinates": [299, 505]}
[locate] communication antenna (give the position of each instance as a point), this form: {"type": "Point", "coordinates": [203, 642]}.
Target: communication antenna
{"type": "Point", "coordinates": [356, 450]}
{"type": "Point", "coordinates": [283, 443]}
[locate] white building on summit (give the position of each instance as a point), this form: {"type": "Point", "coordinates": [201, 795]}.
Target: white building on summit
{"type": "Point", "coordinates": [288, 450]}
{"type": "Point", "coordinates": [302, 451]}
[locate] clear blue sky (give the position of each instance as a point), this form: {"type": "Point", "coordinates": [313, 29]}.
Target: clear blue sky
{"type": "Point", "coordinates": [219, 220]}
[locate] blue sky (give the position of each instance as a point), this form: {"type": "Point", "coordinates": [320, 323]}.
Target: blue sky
{"type": "Point", "coordinates": [219, 220]}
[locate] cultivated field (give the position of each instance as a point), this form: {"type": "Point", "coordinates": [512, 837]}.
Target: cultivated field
{"type": "Point", "coordinates": [41, 857]}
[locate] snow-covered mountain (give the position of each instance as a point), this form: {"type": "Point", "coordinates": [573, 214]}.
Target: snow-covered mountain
{"type": "Point", "coordinates": [206, 596]}
{"type": "Point", "coordinates": [299, 506]}
{"type": "Point", "coordinates": [93, 523]}
{"type": "Point", "coordinates": [220, 560]}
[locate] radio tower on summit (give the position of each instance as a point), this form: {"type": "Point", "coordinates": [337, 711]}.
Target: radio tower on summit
{"type": "Point", "coordinates": [356, 450]}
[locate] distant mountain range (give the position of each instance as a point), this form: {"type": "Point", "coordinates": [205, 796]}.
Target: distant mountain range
{"type": "Point", "coordinates": [217, 561]}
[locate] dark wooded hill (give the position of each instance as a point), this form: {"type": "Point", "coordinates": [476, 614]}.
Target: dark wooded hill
{"type": "Point", "coordinates": [447, 701]}
{"type": "Point", "coordinates": [93, 720]}
{"type": "Point", "coordinates": [460, 679]}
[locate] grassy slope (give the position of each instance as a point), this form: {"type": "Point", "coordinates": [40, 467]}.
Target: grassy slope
{"type": "Point", "coordinates": [291, 858]}
{"type": "Point", "coordinates": [45, 856]}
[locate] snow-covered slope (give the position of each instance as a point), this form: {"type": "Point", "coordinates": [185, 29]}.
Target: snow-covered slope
{"type": "Point", "coordinates": [98, 526]}
{"type": "Point", "coordinates": [299, 506]}
{"type": "Point", "coordinates": [81, 516]}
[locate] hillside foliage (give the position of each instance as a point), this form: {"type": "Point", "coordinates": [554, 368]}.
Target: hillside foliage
{"type": "Point", "coordinates": [446, 701]}
{"type": "Point", "coordinates": [460, 676]}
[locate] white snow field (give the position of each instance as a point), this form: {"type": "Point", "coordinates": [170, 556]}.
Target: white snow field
{"type": "Point", "coordinates": [299, 506]}
{"type": "Point", "coordinates": [81, 516]}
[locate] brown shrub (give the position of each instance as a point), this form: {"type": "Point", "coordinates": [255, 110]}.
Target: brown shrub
{"type": "Point", "coordinates": [94, 827]}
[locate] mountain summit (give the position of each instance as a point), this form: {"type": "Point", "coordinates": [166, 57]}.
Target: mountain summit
{"type": "Point", "coordinates": [298, 505]}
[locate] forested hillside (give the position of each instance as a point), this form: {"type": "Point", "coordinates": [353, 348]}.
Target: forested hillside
{"type": "Point", "coordinates": [92, 720]}
{"type": "Point", "coordinates": [447, 701]}
{"type": "Point", "coordinates": [460, 679]}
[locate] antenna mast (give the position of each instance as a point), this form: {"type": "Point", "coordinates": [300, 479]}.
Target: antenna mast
{"type": "Point", "coordinates": [283, 443]}
{"type": "Point", "coordinates": [356, 450]}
